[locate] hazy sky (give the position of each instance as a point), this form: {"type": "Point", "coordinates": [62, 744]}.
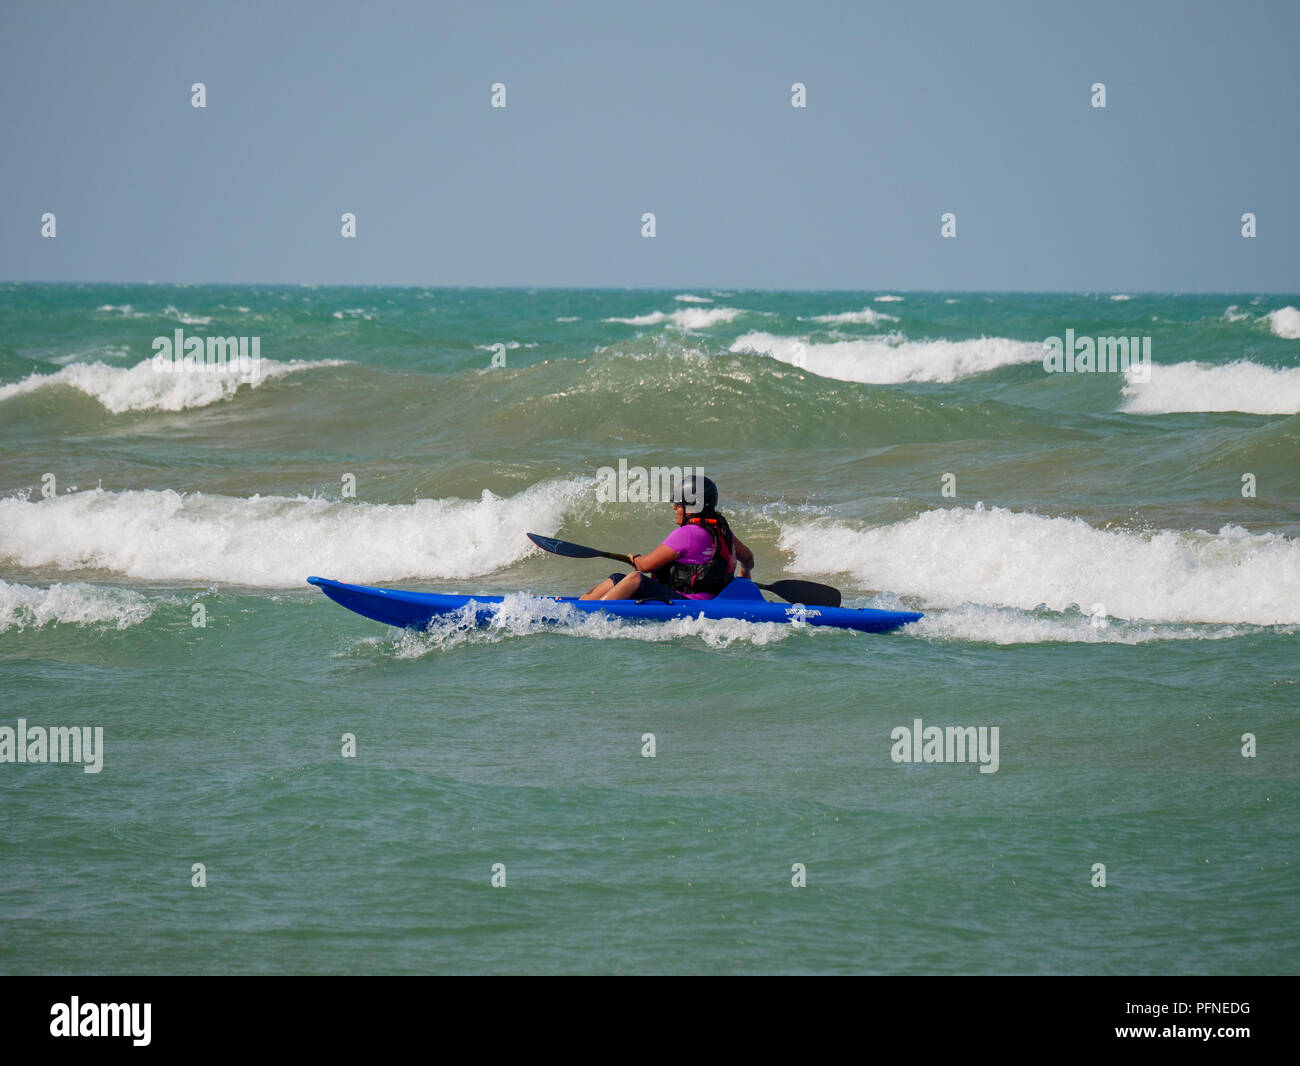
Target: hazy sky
{"type": "Point", "coordinates": [682, 109]}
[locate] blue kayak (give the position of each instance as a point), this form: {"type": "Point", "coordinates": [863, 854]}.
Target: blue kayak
{"type": "Point", "coordinates": [740, 599]}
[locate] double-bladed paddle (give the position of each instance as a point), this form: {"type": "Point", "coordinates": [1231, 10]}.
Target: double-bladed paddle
{"type": "Point", "coordinates": [808, 593]}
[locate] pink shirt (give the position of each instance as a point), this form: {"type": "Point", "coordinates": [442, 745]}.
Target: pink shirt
{"type": "Point", "coordinates": [693, 545]}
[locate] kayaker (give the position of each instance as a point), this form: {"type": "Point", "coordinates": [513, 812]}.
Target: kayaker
{"type": "Point", "coordinates": [695, 561]}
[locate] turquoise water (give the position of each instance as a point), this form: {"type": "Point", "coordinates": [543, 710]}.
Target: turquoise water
{"type": "Point", "coordinates": [1096, 586]}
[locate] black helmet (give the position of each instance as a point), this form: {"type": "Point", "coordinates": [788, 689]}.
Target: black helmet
{"type": "Point", "coordinates": [689, 493]}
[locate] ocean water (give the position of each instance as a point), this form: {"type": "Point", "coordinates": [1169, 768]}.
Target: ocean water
{"type": "Point", "coordinates": [1109, 566]}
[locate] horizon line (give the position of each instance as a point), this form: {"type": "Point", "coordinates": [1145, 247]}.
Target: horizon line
{"type": "Point", "coordinates": [657, 288]}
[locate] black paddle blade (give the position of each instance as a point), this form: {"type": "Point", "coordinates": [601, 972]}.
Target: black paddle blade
{"type": "Point", "coordinates": [809, 593]}
{"type": "Point", "coordinates": [563, 547]}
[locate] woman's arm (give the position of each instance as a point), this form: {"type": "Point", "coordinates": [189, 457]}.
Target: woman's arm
{"type": "Point", "coordinates": [745, 556]}
{"type": "Point", "coordinates": [655, 560]}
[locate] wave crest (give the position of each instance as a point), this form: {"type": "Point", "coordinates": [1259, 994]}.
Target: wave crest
{"type": "Point", "coordinates": [76, 603]}
{"type": "Point", "coordinates": [142, 388]}
{"type": "Point", "coordinates": [1238, 386]}
{"type": "Point", "coordinates": [686, 318]}
{"type": "Point", "coordinates": [999, 558]}
{"type": "Point", "coordinates": [894, 360]}
{"type": "Point", "coordinates": [276, 541]}
{"type": "Point", "coordinates": [1285, 323]}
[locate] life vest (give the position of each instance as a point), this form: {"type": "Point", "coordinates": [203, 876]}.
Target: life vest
{"type": "Point", "coordinates": [713, 576]}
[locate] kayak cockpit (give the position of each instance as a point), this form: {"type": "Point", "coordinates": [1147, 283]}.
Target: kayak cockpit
{"type": "Point", "coordinates": [740, 588]}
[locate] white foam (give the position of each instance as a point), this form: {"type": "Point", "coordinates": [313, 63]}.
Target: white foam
{"type": "Point", "coordinates": [866, 317]}
{"type": "Point", "coordinates": [76, 603]}
{"type": "Point", "coordinates": [108, 351]}
{"type": "Point", "coordinates": [1285, 323]}
{"type": "Point", "coordinates": [276, 541]}
{"type": "Point", "coordinates": [999, 558]}
{"type": "Point", "coordinates": [522, 615]}
{"type": "Point", "coordinates": [1234, 314]}
{"type": "Point", "coordinates": [1000, 625]}
{"type": "Point", "coordinates": [687, 298]}
{"type": "Point", "coordinates": [568, 318]}
{"type": "Point", "coordinates": [1120, 297]}
{"type": "Point", "coordinates": [889, 299]}
{"type": "Point", "coordinates": [893, 359]}
{"type": "Point", "coordinates": [1239, 386]}
{"type": "Point", "coordinates": [142, 388]}
{"type": "Point", "coordinates": [686, 318]}
{"type": "Point", "coordinates": [186, 319]}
